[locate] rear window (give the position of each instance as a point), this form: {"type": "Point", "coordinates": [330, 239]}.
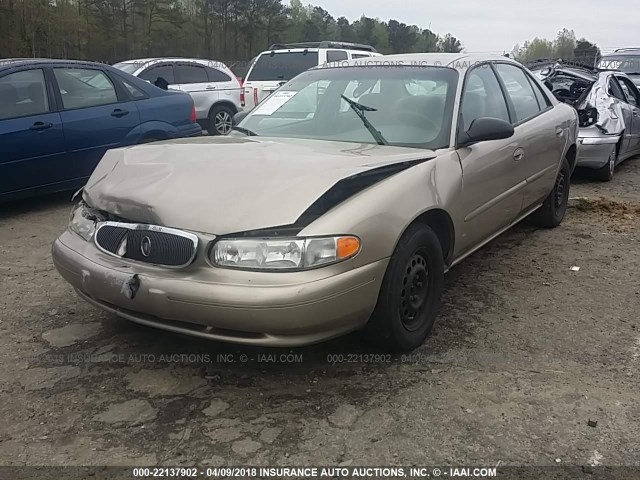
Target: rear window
{"type": "Point", "coordinates": [282, 66]}
{"type": "Point", "coordinates": [127, 67]}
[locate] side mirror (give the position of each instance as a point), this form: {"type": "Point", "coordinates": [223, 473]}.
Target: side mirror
{"type": "Point", "coordinates": [238, 117]}
{"type": "Point", "coordinates": [485, 129]}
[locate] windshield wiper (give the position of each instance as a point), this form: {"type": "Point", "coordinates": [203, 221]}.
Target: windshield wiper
{"type": "Point", "coordinates": [246, 131]}
{"type": "Point", "coordinates": [360, 109]}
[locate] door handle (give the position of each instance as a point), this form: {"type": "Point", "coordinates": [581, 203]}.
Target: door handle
{"type": "Point", "coordinates": [39, 126]}
{"type": "Point", "coordinates": [119, 113]}
{"type": "Point", "coordinates": [211, 87]}
{"type": "Point", "coordinates": [559, 132]}
{"type": "Point", "coordinates": [518, 155]}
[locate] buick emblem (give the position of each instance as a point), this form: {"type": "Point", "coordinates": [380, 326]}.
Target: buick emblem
{"type": "Point", "coordinates": [145, 246]}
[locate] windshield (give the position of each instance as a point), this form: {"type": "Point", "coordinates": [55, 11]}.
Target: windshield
{"type": "Point", "coordinates": [127, 67]}
{"type": "Point", "coordinates": [624, 63]}
{"type": "Point", "coordinates": [282, 66]}
{"type": "Point", "coordinates": [402, 106]}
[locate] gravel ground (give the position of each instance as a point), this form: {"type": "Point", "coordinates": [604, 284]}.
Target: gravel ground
{"type": "Point", "coordinates": [525, 353]}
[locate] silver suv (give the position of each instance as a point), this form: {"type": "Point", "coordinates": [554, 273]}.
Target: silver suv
{"type": "Point", "coordinates": [212, 85]}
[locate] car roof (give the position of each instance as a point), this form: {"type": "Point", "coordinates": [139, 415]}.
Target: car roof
{"type": "Point", "coordinates": [8, 63]}
{"type": "Point", "coordinates": [459, 61]}
{"type": "Point", "coordinates": [146, 61]}
{"type": "Point", "coordinates": [621, 52]}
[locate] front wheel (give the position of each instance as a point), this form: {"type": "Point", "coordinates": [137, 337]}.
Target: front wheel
{"type": "Point", "coordinates": [552, 211]}
{"type": "Point", "coordinates": [220, 120]}
{"type": "Point", "coordinates": [409, 298]}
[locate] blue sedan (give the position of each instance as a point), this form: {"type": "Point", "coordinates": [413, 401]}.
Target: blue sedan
{"type": "Point", "coordinates": [58, 118]}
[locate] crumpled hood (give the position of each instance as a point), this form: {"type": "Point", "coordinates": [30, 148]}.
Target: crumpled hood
{"type": "Point", "coordinates": [223, 185]}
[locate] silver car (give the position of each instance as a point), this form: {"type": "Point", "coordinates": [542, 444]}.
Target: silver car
{"type": "Point", "coordinates": [608, 104]}
{"type": "Point", "coordinates": [338, 204]}
{"type": "Point", "coordinates": [213, 86]}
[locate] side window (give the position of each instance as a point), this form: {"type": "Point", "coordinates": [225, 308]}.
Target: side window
{"type": "Point", "coordinates": [135, 92]}
{"type": "Point", "coordinates": [482, 97]}
{"type": "Point", "coordinates": [186, 74]}
{"type": "Point", "coordinates": [216, 75]}
{"type": "Point", "coordinates": [543, 100]}
{"type": "Point", "coordinates": [520, 91]}
{"type": "Point", "coordinates": [23, 94]}
{"type": "Point", "coordinates": [81, 87]}
{"type": "Point", "coordinates": [359, 55]}
{"type": "Point", "coordinates": [616, 90]}
{"type": "Point", "coordinates": [152, 74]}
{"type": "Point", "coordinates": [630, 91]}
{"type": "Point", "coordinates": [336, 55]}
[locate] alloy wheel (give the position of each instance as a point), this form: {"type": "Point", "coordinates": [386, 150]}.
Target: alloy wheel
{"type": "Point", "coordinates": [612, 162]}
{"type": "Point", "coordinates": [223, 122]}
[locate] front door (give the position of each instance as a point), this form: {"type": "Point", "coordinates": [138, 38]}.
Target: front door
{"type": "Point", "coordinates": [492, 189]}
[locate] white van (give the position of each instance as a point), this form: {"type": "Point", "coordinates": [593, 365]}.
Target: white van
{"type": "Point", "coordinates": [282, 62]}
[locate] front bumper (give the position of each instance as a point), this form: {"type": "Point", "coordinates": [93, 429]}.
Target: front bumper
{"type": "Point", "coordinates": [253, 308]}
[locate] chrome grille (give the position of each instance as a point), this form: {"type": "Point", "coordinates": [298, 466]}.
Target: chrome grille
{"type": "Point", "coordinates": [147, 243]}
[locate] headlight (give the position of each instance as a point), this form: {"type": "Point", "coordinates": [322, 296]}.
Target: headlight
{"type": "Point", "coordinates": [283, 254]}
{"type": "Point", "coordinates": [82, 221]}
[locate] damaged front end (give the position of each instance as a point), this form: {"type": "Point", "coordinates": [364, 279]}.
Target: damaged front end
{"type": "Point", "coordinates": [587, 90]}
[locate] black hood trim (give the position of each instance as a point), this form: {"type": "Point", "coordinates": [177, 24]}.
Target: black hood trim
{"type": "Point", "coordinates": [337, 194]}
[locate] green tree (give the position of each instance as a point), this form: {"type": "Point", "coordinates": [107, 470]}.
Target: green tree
{"type": "Point", "coordinates": [565, 44]}
{"type": "Point", "coordinates": [402, 37]}
{"type": "Point", "coordinates": [450, 44]}
{"type": "Point", "coordinates": [586, 52]}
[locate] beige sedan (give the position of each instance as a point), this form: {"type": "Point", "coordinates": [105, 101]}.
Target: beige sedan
{"type": "Point", "coordinates": [337, 205]}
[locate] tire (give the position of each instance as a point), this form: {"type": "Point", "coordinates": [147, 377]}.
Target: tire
{"type": "Point", "coordinates": [404, 317]}
{"type": "Point", "coordinates": [220, 120]}
{"type": "Point", "coordinates": [605, 174]}
{"type": "Point", "coordinates": [554, 208]}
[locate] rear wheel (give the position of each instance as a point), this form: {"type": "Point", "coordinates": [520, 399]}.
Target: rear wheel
{"type": "Point", "coordinates": [409, 299]}
{"type": "Point", "coordinates": [220, 120]}
{"type": "Point", "coordinates": [552, 211]}
{"type": "Point", "coordinates": [605, 173]}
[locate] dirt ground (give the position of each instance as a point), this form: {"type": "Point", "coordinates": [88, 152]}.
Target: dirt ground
{"type": "Point", "coordinates": [525, 353]}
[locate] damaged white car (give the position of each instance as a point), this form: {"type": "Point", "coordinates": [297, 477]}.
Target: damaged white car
{"type": "Point", "coordinates": [608, 105]}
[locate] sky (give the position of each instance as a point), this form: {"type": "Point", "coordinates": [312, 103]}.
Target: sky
{"type": "Point", "coordinates": [497, 25]}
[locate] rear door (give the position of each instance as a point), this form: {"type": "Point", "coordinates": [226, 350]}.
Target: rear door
{"type": "Point", "coordinates": [492, 189]}
{"type": "Point", "coordinates": [96, 113]}
{"type": "Point", "coordinates": [615, 90]}
{"type": "Point", "coordinates": [227, 86]}
{"type": "Point", "coordinates": [32, 152]}
{"type": "Point", "coordinates": [541, 140]}
{"type": "Point", "coordinates": [192, 78]}
{"type": "Point", "coordinates": [271, 70]}
{"type": "Point", "coordinates": [633, 100]}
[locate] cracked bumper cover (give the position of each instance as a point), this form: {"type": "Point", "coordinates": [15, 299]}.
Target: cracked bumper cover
{"type": "Point", "coordinates": [255, 308]}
